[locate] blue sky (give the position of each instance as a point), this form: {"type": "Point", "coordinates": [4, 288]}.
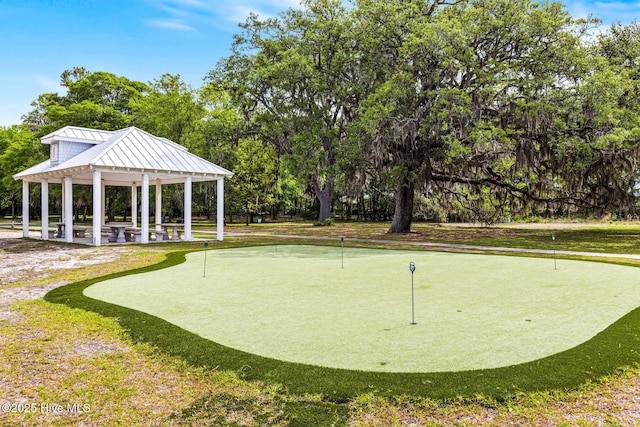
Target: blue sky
{"type": "Point", "coordinates": [143, 39]}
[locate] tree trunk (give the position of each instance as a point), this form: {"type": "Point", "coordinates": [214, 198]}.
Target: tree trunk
{"type": "Point", "coordinates": [324, 194]}
{"type": "Point", "coordinates": [403, 213]}
{"type": "Point", "coordinates": [364, 208]}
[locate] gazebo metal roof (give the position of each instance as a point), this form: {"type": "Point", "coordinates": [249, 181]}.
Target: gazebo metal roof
{"type": "Point", "coordinates": [122, 156]}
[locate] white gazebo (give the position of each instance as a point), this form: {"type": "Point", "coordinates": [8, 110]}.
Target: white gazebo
{"type": "Point", "coordinates": [128, 158]}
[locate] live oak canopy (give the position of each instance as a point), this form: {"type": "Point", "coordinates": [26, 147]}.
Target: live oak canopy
{"type": "Point", "coordinates": [487, 105]}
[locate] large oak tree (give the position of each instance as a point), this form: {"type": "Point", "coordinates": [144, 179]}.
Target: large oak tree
{"type": "Point", "coordinates": [463, 103]}
{"type": "Point", "coordinates": [293, 77]}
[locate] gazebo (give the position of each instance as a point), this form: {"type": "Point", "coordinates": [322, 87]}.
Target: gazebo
{"type": "Point", "coordinates": [128, 158]}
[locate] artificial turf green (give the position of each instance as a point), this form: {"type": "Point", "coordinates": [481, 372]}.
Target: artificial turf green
{"type": "Point", "coordinates": [304, 304]}
{"type": "Point", "coordinates": [616, 346]}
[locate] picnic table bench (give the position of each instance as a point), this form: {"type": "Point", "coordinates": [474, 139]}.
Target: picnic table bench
{"type": "Point", "coordinates": [78, 230]}
{"type": "Point", "coordinates": [176, 229]}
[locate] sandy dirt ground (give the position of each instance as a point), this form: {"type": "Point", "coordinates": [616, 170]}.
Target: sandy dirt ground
{"type": "Point", "coordinates": [22, 262]}
{"type": "Point", "coordinates": [54, 362]}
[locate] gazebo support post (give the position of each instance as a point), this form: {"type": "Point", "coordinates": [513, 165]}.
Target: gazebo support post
{"type": "Point", "coordinates": [68, 208]}
{"type": "Point", "coordinates": [98, 216]}
{"type": "Point", "coordinates": [103, 202]}
{"type": "Point", "coordinates": [44, 208]}
{"type": "Point", "coordinates": [187, 209]}
{"type": "Point", "coordinates": [158, 205]}
{"type": "Point", "coordinates": [144, 238]}
{"type": "Point", "coordinates": [134, 204]}
{"type": "Point", "coordinates": [220, 209]}
{"type": "Point", "coordinates": [25, 208]}
{"type": "Point", "coordinates": [62, 205]}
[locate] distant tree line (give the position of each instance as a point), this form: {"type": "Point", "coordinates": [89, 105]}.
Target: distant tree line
{"type": "Point", "coordinates": [469, 110]}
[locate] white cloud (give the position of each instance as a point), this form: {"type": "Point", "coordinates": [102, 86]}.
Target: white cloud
{"type": "Point", "coordinates": [171, 25]}
{"type": "Point", "coordinates": [239, 13]}
{"type": "Point", "coordinates": [193, 14]}
{"type": "Point", "coordinates": [607, 11]}
{"type": "Point", "coordinates": [46, 83]}
{"type": "Point", "coordinates": [578, 9]}
{"type": "Point", "coordinates": [189, 3]}
{"type": "Point", "coordinates": [19, 90]}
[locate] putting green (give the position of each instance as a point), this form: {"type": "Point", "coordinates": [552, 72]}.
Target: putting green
{"type": "Point", "coordinates": [296, 303]}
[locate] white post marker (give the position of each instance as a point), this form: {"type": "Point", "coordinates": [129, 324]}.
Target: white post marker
{"type": "Point", "coordinates": [553, 239]}
{"type": "Point", "coordinates": [206, 245]}
{"type": "Point", "coordinates": [412, 268]}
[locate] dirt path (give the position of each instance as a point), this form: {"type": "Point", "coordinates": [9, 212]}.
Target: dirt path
{"type": "Point", "coordinates": [22, 261]}
{"type": "Point", "coordinates": [46, 364]}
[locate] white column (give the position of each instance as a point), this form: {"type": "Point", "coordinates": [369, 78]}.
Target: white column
{"type": "Point", "coordinates": [98, 213]}
{"type": "Point", "coordinates": [158, 205]}
{"type": "Point", "coordinates": [68, 209]}
{"type": "Point", "coordinates": [62, 205]}
{"type": "Point", "coordinates": [44, 196]}
{"type": "Point", "coordinates": [187, 209]}
{"type": "Point", "coordinates": [220, 209]}
{"type": "Point", "coordinates": [145, 209]}
{"type": "Point", "coordinates": [103, 203]}
{"type": "Point", "coordinates": [134, 204]}
{"type": "Point", "coordinates": [25, 208]}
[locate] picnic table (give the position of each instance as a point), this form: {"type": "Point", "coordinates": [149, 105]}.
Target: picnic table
{"type": "Point", "coordinates": [117, 231]}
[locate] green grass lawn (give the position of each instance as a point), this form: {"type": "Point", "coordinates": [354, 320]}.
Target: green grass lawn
{"type": "Point", "coordinates": [623, 237]}
{"type": "Point", "coordinates": [297, 304]}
